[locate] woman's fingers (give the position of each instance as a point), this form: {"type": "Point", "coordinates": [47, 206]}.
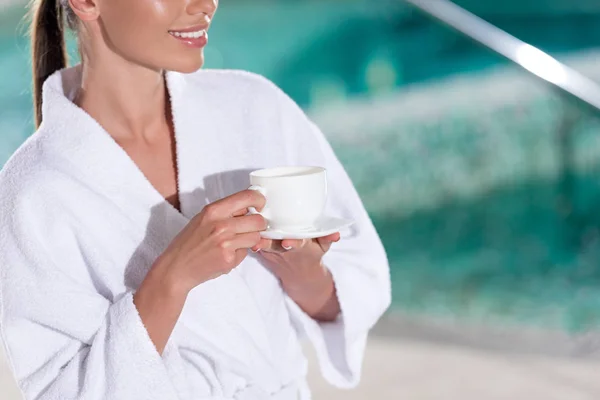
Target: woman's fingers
{"type": "Point", "coordinates": [264, 244]}
{"type": "Point", "coordinates": [235, 205]}
{"type": "Point", "coordinates": [248, 223]}
{"type": "Point", "coordinates": [270, 246]}
{"type": "Point", "coordinates": [281, 246]}
{"type": "Point", "coordinates": [244, 241]}
{"type": "Point", "coordinates": [329, 239]}
{"type": "Point", "coordinates": [326, 241]}
{"type": "Point", "coordinates": [292, 244]}
{"type": "Point", "coordinates": [277, 246]}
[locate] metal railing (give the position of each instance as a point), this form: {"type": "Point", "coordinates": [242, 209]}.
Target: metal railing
{"type": "Point", "coordinates": [528, 57]}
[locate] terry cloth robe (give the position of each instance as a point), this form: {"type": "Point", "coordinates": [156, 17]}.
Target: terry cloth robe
{"type": "Point", "coordinates": [80, 226]}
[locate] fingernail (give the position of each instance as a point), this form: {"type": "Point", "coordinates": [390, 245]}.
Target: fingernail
{"type": "Point", "coordinates": [255, 250]}
{"type": "Point", "coordinates": [287, 247]}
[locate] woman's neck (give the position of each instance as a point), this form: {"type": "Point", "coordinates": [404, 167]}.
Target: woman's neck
{"type": "Point", "coordinates": [129, 101]}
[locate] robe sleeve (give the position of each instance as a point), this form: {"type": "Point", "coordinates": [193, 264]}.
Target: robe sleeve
{"type": "Point", "coordinates": [63, 339]}
{"type": "Point", "coordinates": [358, 262]}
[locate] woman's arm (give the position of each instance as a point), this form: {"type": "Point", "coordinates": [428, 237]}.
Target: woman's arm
{"type": "Point", "coordinates": [357, 263]}
{"type": "Point", "coordinates": [159, 303]}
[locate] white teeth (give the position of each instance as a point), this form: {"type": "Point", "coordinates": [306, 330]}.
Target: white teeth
{"type": "Point", "coordinates": [189, 35]}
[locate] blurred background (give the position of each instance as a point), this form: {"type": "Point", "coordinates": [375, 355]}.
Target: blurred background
{"type": "Point", "coordinates": [481, 174]}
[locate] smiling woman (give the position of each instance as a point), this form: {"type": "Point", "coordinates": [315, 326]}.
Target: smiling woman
{"type": "Point", "coordinates": [125, 227]}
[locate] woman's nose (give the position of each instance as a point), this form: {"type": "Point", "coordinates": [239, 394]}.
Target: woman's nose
{"type": "Point", "coordinates": [207, 7]}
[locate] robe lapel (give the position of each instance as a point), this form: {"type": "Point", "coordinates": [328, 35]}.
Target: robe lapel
{"type": "Point", "coordinates": [103, 163]}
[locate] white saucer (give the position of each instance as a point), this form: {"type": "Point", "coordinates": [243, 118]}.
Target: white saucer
{"type": "Point", "coordinates": [323, 227]}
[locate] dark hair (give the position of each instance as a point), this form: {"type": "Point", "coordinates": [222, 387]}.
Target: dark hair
{"type": "Point", "coordinates": [48, 48]}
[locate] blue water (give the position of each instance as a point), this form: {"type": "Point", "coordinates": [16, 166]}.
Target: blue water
{"type": "Point", "coordinates": [511, 255]}
{"type": "Point", "coordinates": [508, 257]}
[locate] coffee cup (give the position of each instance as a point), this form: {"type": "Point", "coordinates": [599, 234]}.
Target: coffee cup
{"type": "Point", "coordinates": [295, 196]}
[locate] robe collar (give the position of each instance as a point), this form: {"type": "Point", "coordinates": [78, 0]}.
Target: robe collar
{"type": "Point", "coordinates": [101, 162]}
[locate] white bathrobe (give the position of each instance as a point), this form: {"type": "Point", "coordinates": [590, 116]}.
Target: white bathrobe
{"type": "Point", "coordinates": [80, 226]}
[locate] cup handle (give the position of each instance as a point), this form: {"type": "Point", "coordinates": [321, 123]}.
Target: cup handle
{"type": "Point", "coordinates": [261, 190]}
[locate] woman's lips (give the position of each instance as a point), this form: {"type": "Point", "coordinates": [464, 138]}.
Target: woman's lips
{"type": "Point", "coordinates": [192, 38]}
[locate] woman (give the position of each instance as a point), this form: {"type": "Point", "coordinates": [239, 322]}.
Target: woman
{"type": "Point", "coordinates": [124, 227]}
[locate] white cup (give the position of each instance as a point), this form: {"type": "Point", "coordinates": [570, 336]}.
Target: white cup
{"type": "Point", "coordinates": [295, 196]}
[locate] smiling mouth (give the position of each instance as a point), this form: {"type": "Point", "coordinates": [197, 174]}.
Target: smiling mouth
{"type": "Point", "coordinates": [192, 37]}
{"type": "Point", "coordinates": [189, 35]}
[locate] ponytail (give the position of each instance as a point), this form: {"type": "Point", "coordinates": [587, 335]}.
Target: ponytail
{"type": "Point", "coordinates": [48, 49]}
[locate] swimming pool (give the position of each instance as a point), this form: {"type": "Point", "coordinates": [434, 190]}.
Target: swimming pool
{"type": "Point", "coordinates": [485, 211]}
{"type": "Point", "coordinates": [486, 214]}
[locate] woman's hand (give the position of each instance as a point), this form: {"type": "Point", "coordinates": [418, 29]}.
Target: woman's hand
{"type": "Point", "coordinates": [297, 264]}
{"type": "Point", "coordinates": [215, 241]}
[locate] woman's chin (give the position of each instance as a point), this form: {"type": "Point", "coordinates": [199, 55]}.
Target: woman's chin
{"type": "Point", "coordinates": [187, 65]}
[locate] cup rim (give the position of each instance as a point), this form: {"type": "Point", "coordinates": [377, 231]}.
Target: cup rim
{"type": "Point", "coordinates": [287, 172]}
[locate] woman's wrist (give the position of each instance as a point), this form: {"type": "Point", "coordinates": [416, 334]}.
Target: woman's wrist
{"type": "Point", "coordinates": [317, 297]}
{"type": "Point", "coordinates": [163, 275]}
